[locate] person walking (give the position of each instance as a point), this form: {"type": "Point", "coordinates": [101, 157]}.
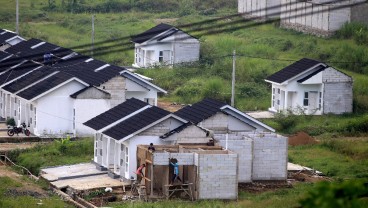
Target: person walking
{"type": "Point", "coordinates": [174, 163]}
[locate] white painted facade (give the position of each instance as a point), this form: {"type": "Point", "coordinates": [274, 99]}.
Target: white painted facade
{"type": "Point", "coordinates": [175, 49]}
{"type": "Point", "coordinates": [311, 97]}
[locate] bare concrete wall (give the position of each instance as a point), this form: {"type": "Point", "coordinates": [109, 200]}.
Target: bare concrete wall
{"type": "Point", "coordinates": [217, 176]}
{"type": "Point", "coordinates": [116, 87]}
{"type": "Point", "coordinates": [244, 148]}
{"type": "Point", "coordinates": [264, 9]}
{"type": "Point", "coordinates": [320, 19]}
{"type": "Point", "coordinates": [360, 14]}
{"type": "Point", "coordinates": [269, 157]}
{"type": "Point", "coordinates": [337, 93]}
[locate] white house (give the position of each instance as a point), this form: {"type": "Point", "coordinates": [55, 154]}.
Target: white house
{"type": "Point", "coordinates": [322, 17]}
{"type": "Point", "coordinates": [121, 129]}
{"type": "Point", "coordinates": [259, 9]}
{"type": "Point", "coordinates": [164, 45]}
{"type": "Point", "coordinates": [311, 87]}
{"type": "Point", "coordinates": [8, 39]}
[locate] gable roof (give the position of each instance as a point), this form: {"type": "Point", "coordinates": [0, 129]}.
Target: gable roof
{"type": "Point", "coordinates": [115, 114]}
{"type": "Point", "coordinates": [34, 49]}
{"type": "Point", "coordinates": [318, 70]}
{"type": "Point", "coordinates": [136, 123]}
{"type": "Point", "coordinates": [292, 70]}
{"type": "Point", "coordinates": [208, 107]}
{"type": "Point", "coordinates": [141, 81]}
{"type": "Point", "coordinates": [200, 111]}
{"type": "Point", "coordinates": [31, 78]}
{"type": "Point", "coordinates": [45, 85]}
{"type": "Point", "coordinates": [75, 95]}
{"type": "Point", "coordinates": [149, 34]}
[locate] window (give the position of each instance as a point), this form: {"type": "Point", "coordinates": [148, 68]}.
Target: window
{"type": "Point", "coordinates": [15, 100]}
{"type": "Point", "coordinates": [1, 106]}
{"type": "Point", "coordinates": [306, 100]}
{"type": "Point", "coordinates": [278, 102]}
{"type": "Point", "coordinates": [30, 120]}
{"type": "Point", "coordinates": [320, 101]}
{"type": "Point", "coordinates": [278, 91]}
{"type": "Point", "coordinates": [15, 113]}
{"type": "Point", "coordinates": [100, 152]}
{"type": "Point", "coordinates": [31, 107]}
{"type": "Point", "coordinates": [161, 57]}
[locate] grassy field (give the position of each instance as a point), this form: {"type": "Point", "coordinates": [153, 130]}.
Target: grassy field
{"type": "Point", "coordinates": [13, 194]}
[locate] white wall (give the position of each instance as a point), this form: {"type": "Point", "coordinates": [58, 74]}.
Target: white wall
{"type": "Point", "coordinates": [85, 109]}
{"type": "Point", "coordinates": [55, 110]}
{"type": "Point", "coordinates": [132, 144]}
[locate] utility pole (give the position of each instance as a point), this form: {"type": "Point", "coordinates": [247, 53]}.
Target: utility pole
{"type": "Point", "coordinates": [17, 17]}
{"type": "Point", "coordinates": [233, 81]}
{"type": "Point", "coordinates": [93, 34]}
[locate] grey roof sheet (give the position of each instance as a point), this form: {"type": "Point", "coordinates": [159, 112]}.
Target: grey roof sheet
{"type": "Point", "coordinates": [114, 114]}
{"type": "Point", "coordinates": [292, 70]}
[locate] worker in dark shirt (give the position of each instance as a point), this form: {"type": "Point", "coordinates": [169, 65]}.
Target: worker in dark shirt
{"type": "Point", "coordinates": [151, 147]}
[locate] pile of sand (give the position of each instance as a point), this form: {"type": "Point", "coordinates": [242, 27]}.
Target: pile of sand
{"type": "Point", "coordinates": [301, 138]}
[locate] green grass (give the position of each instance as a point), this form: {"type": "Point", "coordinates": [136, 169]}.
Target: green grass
{"type": "Point", "coordinates": [54, 154]}
{"type": "Point", "coordinates": [25, 201]}
{"type": "Point", "coordinates": [340, 159]}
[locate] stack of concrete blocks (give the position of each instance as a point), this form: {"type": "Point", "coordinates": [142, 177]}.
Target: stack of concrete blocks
{"type": "Point", "coordinates": [217, 175]}
{"type": "Point", "coordinates": [262, 155]}
{"type": "Point", "coordinates": [244, 148]}
{"type": "Point", "coordinates": [337, 92]}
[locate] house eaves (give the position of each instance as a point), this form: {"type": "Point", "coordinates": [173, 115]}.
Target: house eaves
{"type": "Point", "coordinates": [142, 81]}
{"type": "Point", "coordinates": [151, 125]}
{"type": "Point", "coordinates": [58, 86]}
{"type": "Point", "coordinates": [243, 117]}
{"type": "Point", "coordinates": [123, 119]}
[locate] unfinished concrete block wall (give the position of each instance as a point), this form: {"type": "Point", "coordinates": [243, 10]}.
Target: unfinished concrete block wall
{"type": "Point", "coordinates": [217, 123]}
{"type": "Point", "coordinates": [116, 87]}
{"type": "Point", "coordinates": [259, 8]}
{"type": "Point", "coordinates": [316, 17]}
{"type": "Point", "coordinates": [217, 176]}
{"type": "Point", "coordinates": [163, 158]}
{"type": "Point", "coordinates": [161, 128]}
{"type": "Point", "coordinates": [269, 157]}
{"type": "Point", "coordinates": [337, 92]}
{"type": "Point", "coordinates": [244, 148]}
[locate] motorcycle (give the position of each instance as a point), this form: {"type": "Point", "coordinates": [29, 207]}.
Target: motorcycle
{"type": "Point", "coordinates": [16, 130]}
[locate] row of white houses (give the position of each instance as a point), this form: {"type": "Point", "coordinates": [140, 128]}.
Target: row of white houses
{"type": "Point", "coordinates": [55, 96]}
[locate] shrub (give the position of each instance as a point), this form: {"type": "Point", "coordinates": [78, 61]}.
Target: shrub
{"type": "Point", "coordinates": [10, 122]}
{"type": "Point", "coordinates": [286, 121]}
{"type": "Point", "coordinates": [344, 195]}
{"type": "Point", "coordinates": [348, 30]}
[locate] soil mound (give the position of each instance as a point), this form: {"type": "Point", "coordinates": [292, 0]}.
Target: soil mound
{"type": "Point", "coordinates": [301, 138]}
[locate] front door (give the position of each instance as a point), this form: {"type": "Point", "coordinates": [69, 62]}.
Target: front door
{"type": "Point", "coordinates": [313, 102]}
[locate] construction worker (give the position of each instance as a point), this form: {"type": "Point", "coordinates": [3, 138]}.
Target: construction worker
{"type": "Point", "coordinates": [174, 163]}
{"type": "Point", "coordinates": [151, 148]}
{"type": "Point", "coordinates": [139, 171]}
